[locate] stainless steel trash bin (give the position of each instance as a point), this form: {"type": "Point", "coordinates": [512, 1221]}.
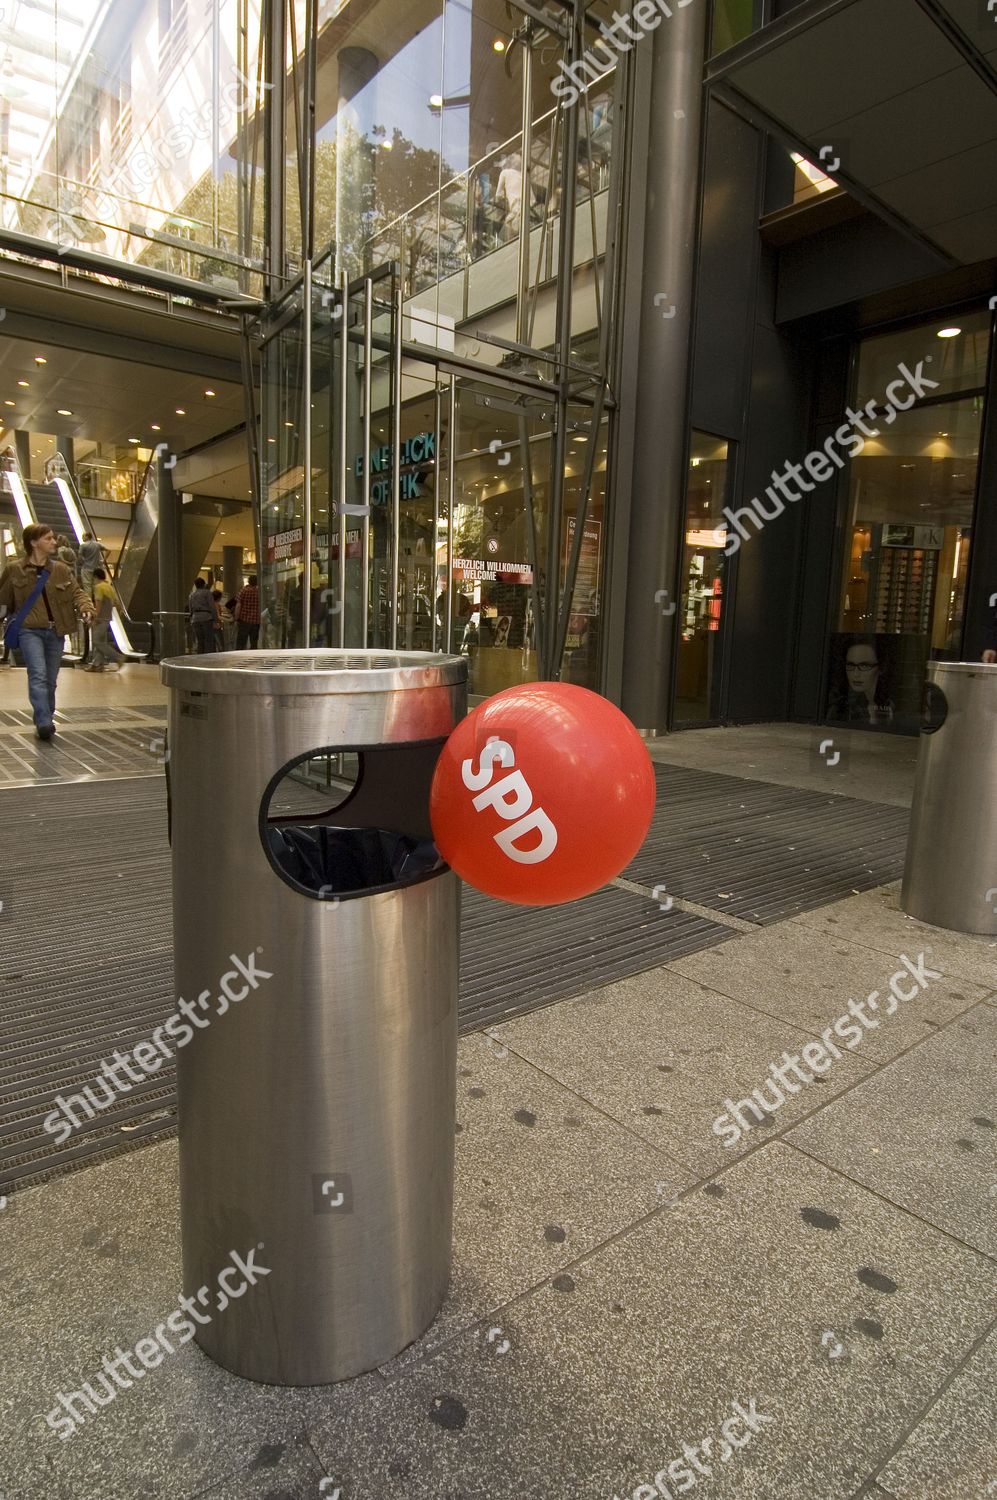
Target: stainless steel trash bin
{"type": "Point", "coordinates": [316, 943]}
{"type": "Point", "coordinates": [950, 878]}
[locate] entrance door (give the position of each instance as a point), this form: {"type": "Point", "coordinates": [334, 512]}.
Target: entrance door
{"type": "Point", "coordinates": [702, 583]}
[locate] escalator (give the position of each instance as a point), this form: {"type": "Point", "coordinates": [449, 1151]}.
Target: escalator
{"type": "Point", "coordinates": [59, 505]}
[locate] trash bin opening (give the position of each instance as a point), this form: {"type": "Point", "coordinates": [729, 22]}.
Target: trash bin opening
{"type": "Point", "coordinates": [338, 823]}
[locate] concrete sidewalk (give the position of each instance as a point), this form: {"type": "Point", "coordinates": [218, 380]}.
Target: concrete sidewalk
{"type": "Point", "coordinates": [621, 1277]}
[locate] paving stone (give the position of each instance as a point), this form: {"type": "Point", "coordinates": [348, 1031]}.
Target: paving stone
{"type": "Point", "coordinates": [808, 978]}
{"type": "Point", "coordinates": [91, 1262]}
{"type": "Point", "coordinates": [923, 1131]}
{"type": "Point", "coordinates": [541, 1178]}
{"type": "Point", "coordinates": [834, 1312]}
{"type": "Point", "coordinates": [952, 1453]}
{"type": "Point", "coordinates": [876, 920]}
{"type": "Point", "coordinates": [662, 1054]}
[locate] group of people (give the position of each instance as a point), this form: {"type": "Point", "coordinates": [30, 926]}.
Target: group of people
{"type": "Point", "coordinates": [221, 624]}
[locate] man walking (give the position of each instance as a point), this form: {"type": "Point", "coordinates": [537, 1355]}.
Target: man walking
{"type": "Point", "coordinates": [201, 608]}
{"type": "Point", "coordinates": [103, 653]}
{"type": "Point", "coordinates": [91, 557]}
{"type": "Point", "coordinates": [42, 600]}
{"type": "Point", "coordinates": [247, 614]}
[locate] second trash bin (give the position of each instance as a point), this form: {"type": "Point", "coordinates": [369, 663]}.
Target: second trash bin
{"type": "Point", "coordinates": [316, 942]}
{"type": "Point", "coordinates": [950, 878]}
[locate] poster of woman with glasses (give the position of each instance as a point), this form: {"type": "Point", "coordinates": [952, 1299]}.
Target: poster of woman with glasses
{"type": "Point", "coordinates": [862, 678]}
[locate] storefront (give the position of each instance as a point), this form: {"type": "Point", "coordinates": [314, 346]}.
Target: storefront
{"type": "Point", "coordinates": [909, 501]}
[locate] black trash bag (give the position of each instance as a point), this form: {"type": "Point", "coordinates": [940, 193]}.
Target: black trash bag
{"type": "Point", "coordinates": [338, 860]}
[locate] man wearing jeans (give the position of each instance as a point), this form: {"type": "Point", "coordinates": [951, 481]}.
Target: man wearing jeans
{"type": "Point", "coordinates": [50, 619]}
{"type": "Point", "coordinates": [247, 614]}
{"type": "Point", "coordinates": [201, 608]}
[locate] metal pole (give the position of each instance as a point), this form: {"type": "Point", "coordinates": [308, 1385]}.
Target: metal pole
{"type": "Point", "coordinates": [344, 346]}
{"type": "Point", "coordinates": [368, 327]}
{"type": "Point", "coordinates": [562, 346]}
{"type": "Point", "coordinates": [438, 415]}
{"type": "Point", "coordinates": [306, 443]}
{"type": "Point", "coordinates": [252, 438]}
{"type": "Point", "coordinates": [581, 511]}
{"type": "Point", "coordinates": [274, 40]}
{"type": "Point", "coordinates": [451, 505]}
{"type": "Point", "coordinates": [526, 193]}
{"type": "Point", "coordinates": [396, 460]}
{"type": "Point", "coordinates": [526, 460]}
{"type": "Point", "coordinates": [658, 474]}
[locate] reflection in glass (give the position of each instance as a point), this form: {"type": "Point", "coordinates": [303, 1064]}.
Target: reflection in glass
{"type": "Point", "coordinates": [909, 522]}
{"type": "Point", "coordinates": [697, 678]}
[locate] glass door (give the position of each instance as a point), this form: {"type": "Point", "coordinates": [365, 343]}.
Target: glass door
{"type": "Point", "coordinates": [495, 529]}
{"type": "Point", "coordinates": [702, 584]}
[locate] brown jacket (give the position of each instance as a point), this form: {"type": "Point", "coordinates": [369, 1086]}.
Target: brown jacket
{"type": "Point", "coordinates": [64, 595]}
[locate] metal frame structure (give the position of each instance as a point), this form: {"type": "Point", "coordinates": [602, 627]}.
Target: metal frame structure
{"type": "Point", "coordinates": [289, 301]}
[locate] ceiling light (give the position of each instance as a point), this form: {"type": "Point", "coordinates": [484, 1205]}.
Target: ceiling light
{"type": "Point", "coordinates": [209, 393]}
{"type": "Point", "coordinates": [22, 382]}
{"type": "Point", "coordinates": [180, 412]}
{"type": "Point", "coordinates": [949, 333]}
{"type": "Point", "coordinates": [63, 411]}
{"type": "Point", "coordinates": [9, 403]}
{"type": "Point", "coordinates": [436, 101]}
{"type": "Point", "coordinates": [156, 427]}
{"type": "Point", "coordinates": [40, 359]}
{"type": "Point", "coordinates": [498, 45]}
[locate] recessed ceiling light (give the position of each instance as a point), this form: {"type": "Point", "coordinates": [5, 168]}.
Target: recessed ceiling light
{"type": "Point", "coordinates": [10, 403]}
{"type": "Point", "coordinates": [134, 440]}
{"type": "Point", "coordinates": [40, 359]}
{"type": "Point", "coordinates": [180, 411]}
{"type": "Point", "coordinates": [288, 424]}
{"type": "Point", "coordinates": [22, 382]}
{"type": "Point", "coordinates": [156, 427]}
{"type": "Point", "coordinates": [63, 411]}
{"type": "Point", "coordinates": [498, 45]}
{"type": "Point", "coordinates": [210, 393]}
{"type": "Point", "coordinates": [949, 333]}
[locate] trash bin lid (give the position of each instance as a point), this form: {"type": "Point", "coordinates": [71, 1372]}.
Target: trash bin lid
{"type": "Point", "coordinates": [985, 668]}
{"type": "Point", "coordinates": [313, 671]}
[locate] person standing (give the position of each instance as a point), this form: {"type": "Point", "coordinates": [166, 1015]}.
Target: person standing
{"type": "Point", "coordinates": [201, 608]}
{"type": "Point", "coordinates": [91, 557]}
{"type": "Point", "coordinates": [43, 598]}
{"type": "Point", "coordinates": [218, 600]}
{"type": "Point", "coordinates": [247, 615]}
{"type": "Point", "coordinates": [103, 653]}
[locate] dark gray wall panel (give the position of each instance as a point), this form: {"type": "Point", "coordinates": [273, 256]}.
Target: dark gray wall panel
{"type": "Point", "coordinates": [765, 598]}
{"type": "Point", "coordinates": [725, 288]}
{"type": "Point", "coordinates": [844, 264]}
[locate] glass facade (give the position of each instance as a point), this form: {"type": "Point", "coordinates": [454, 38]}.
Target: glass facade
{"type": "Point", "coordinates": [130, 129]}
{"type": "Point", "coordinates": [415, 410]}
{"type": "Point", "coordinates": [909, 524]}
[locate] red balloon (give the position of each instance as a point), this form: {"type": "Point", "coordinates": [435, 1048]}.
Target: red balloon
{"type": "Point", "coordinates": [542, 794]}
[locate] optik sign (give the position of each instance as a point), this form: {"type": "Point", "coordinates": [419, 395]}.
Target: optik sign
{"type": "Point", "coordinates": [420, 449]}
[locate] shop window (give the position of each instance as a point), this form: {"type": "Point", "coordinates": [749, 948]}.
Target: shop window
{"type": "Point", "coordinates": [909, 525]}
{"type": "Point", "coordinates": [702, 579]}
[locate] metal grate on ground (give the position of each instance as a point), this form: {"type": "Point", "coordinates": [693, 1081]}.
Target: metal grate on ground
{"type": "Point", "coordinates": [763, 852]}
{"type": "Point", "coordinates": [89, 968]}
{"type": "Point", "coordinates": [77, 754]}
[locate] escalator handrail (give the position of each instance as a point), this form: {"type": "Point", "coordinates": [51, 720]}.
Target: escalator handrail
{"type": "Point", "coordinates": [87, 525]}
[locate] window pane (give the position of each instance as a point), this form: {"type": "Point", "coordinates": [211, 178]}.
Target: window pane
{"type": "Point", "coordinates": [701, 581]}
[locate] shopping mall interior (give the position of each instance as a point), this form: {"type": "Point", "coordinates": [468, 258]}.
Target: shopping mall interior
{"type": "Point", "coordinates": [649, 351]}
